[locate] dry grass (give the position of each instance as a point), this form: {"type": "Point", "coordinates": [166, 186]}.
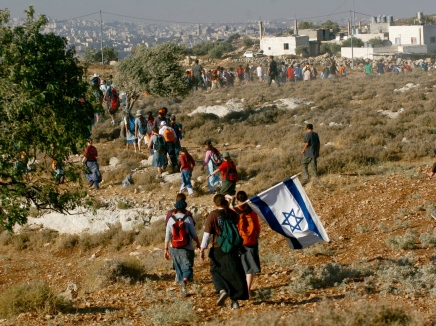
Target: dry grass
{"type": "Point", "coordinates": [328, 314]}
{"type": "Point", "coordinates": [35, 297]}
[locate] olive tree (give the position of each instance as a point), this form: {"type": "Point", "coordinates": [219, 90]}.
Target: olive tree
{"type": "Point", "coordinates": [155, 70]}
{"type": "Point", "coordinates": [41, 118]}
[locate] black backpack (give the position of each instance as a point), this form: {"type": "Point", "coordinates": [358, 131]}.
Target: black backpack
{"type": "Point", "coordinates": [160, 143]}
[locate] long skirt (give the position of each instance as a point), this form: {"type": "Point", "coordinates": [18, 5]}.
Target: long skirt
{"type": "Point", "coordinates": [183, 262]}
{"type": "Point", "coordinates": [92, 173]}
{"type": "Point", "coordinates": [214, 180]}
{"type": "Point", "coordinates": [159, 159]}
{"type": "Point", "coordinates": [228, 273]}
{"type": "Point", "coordinates": [228, 188]}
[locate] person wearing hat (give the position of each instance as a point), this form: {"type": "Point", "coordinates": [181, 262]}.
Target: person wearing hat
{"type": "Point", "coordinates": [140, 128]}
{"type": "Point", "coordinates": [229, 176]}
{"type": "Point", "coordinates": [161, 116]}
{"type": "Point", "coordinates": [183, 257]}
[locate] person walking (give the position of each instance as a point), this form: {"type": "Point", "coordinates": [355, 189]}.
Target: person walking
{"type": "Point", "coordinates": [187, 164]}
{"type": "Point", "coordinates": [229, 176]}
{"type": "Point", "coordinates": [228, 275]}
{"type": "Point", "coordinates": [211, 161]}
{"type": "Point", "coordinates": [182, 249]}
{"type": "Point", "coordinates": [129, 125]}
{"type": "Point", "coordinates": [171, 139]}
{"type": "Point", "coordinates": [92, 170]}
{"type": "Point", "coordinates": [140, 129]}
{"type": "Point", "coordinates": [157, 146]}
{"type": "Point", "coordinates": [272, 71]}
{"type": "Point", "coordinates": [310, 152]}
{"type": "Point", "coordinates": [249, 230]}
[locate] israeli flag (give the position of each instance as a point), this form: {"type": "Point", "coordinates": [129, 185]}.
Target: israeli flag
{"type": "Point", "coordinates": [288, 211]}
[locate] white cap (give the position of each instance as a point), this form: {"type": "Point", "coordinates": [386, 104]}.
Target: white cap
{"type": "Point", "coordinates": [163, 123]}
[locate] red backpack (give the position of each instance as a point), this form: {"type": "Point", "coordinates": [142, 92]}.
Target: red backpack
{"type": "Point", "coordinates": [180, 237]}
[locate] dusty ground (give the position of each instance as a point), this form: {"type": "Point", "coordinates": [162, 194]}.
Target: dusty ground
{"type": "Point", "coordinates": [397, 199]}
{"type": "Point", "coordinates": [359, 212]}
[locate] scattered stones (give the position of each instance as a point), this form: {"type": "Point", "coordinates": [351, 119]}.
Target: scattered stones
{"type": "Point", "coordinates": [390, 114]}
{"type": "Point", "coordinates": [408, 87]}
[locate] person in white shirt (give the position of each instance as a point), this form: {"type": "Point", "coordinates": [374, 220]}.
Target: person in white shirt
{"type": "Point", "coordinates": [259, 72]}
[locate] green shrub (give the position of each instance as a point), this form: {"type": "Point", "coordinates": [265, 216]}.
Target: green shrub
{"type": "Point", "coordinates": [406, 242]}
{"type": "Point", "coordinates": [35, 297]}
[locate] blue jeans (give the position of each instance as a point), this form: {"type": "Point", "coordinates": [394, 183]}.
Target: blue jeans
{"type": "Point", "coordinates": [183, 260]}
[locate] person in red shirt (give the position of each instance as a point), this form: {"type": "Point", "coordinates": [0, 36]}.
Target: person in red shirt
{"type": "Point", "coordinates": [290, 73]}
{"type": "Point", "coordinates": [229, 176]}
{"type": "Point", "coordinates": [92, 170]}
{"type": "Point", "coordinates": [187, 164]}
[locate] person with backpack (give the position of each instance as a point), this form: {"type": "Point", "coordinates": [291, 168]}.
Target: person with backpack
{"type": "Point", "coordinates": [273, 71]}
{"type": "Point", "coordinates": [229, 176]}
{"type": "Point", "coordinates": [179, 233]}
{"type": "Point", "coordinates": [249, 230]}
{"type": "Point", "coordinates": [157, 146]}
{"type": "Point", "coordinates": [171, 212]}
{"type": "Point", "coordinates": [129, 126]}
{"type": "Point", "coordinates": [178, 129]}
{"type": "Point", "coordinates": [92, 170]}
{"type": "Point", "coordinates": [171, 139]}
{"type": "Point", "coordinates": [212, 160]}
{"type": "Point", "coordinates": [114, 103]}
{"type": "Point", "coordinates": [228, 274]}
{"type": "Point", "coordinates": [140, 128]}
{"type": "Point", "coordinates": [187, 164]}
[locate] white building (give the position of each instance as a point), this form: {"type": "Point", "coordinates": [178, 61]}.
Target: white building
{"type": "Point", "coordinates": [414, 35]}
{"type": "Point", "coordinates": [282, 45]}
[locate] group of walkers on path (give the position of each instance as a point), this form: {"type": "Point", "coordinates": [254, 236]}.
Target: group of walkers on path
{"type": "Point", "coordinates": [233, 236]}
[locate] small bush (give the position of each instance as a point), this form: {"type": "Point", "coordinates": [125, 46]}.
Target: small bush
{"type": "Point", "coordinates": [406, 242]}
{"type": "Point", "coordinates": [69, 241]}
{"type": "Point", "coordinates": [181, 312]}
{"type": "Point", "coordinates": [427, 240]}
{"type": "Point", "coordinates": [319, 249]}
{"type": "Point", "coordinates": [123, 205]}
{"type": "Point", "coordinates": [363, 228]}
{"type": "Point", "coordinates": [114, 270]}
{"type": "Point", "coordinates": [35, 297]}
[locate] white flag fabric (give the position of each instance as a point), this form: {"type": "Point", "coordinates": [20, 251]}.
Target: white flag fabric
{"type": "Point", "coordinates": [288, 211]}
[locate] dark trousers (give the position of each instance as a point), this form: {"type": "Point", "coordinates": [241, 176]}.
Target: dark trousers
{"type": "Point", "coordinates": [171, 147]}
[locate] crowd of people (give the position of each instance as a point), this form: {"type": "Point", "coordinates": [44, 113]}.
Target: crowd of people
{"type": "Point", "coordinates": [231, 230]}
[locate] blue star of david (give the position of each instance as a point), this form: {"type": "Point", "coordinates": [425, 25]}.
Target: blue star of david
{"type": "Point", "coordinates": [298, 220]}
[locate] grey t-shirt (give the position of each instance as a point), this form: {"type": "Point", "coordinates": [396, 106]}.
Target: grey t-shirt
{"type": "Point", "coordinates": [313, 149]}
{"type": "Point", "coordinates": [196, 70]}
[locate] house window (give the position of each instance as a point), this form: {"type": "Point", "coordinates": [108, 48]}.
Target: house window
{"type": "Point", "coordinates": [285, 46]}
{"type": "Point", "coordinates": [413, 40]}
{"type": "Point", "coordinates": [432, 39]}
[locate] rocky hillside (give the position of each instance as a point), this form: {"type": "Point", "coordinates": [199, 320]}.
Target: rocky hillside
{"type": "Point", "coordinates": [373, 197]}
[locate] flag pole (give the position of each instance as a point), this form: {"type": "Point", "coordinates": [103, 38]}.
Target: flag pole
{"type": "Point", "coordinates": [248, 200]}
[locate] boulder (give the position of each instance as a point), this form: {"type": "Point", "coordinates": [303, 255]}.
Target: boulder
{"type": "Point", "coordinates": [172, 178]}
{"type": "Point", "coordinates": [114, 161]}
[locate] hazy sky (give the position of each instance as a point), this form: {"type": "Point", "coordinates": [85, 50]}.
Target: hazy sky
{"type": "Point", "coordinates": [202, 11]}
